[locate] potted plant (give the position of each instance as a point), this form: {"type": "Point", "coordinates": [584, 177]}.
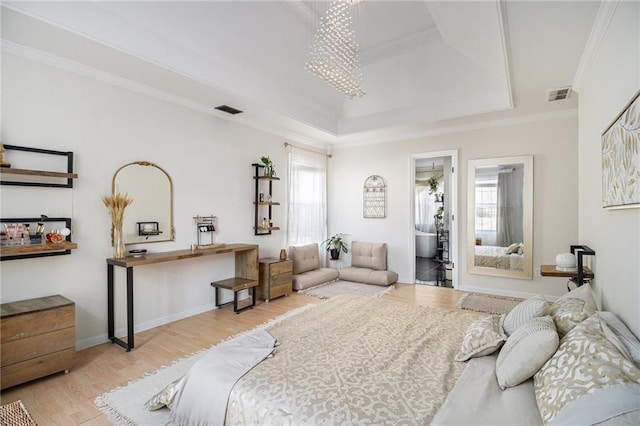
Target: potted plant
{"type": "Point", "coordinates": [433, 185]}
{"type": "Point", "coordinates": [269, 170]}
{"type": "Point", "coordinates": [335, 245]}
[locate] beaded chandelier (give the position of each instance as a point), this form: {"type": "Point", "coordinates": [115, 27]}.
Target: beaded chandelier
{"type": "Point", "coordinates": [334, 51]}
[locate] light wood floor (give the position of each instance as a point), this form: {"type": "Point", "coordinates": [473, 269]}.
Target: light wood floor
{"type": "Point", "coordinates": [67, 399]}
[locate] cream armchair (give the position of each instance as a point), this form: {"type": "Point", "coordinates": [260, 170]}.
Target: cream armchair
{"type": "Point", "coordinates": [368, 265]}
{"type": "Point", "coordinates": [307, 270]}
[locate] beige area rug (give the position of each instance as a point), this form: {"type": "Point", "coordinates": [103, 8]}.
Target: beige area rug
{"type": "Point", "coordinates": [124, 406]}
{"type": "Point", "coordinates": [487, 303]}
{"type": "Point", "coordinates": [340, 287]}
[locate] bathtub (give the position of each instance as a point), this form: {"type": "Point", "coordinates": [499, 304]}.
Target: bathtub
{"type": "Point", "coordinates": [425, 244]}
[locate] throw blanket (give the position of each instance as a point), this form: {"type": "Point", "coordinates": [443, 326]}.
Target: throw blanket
{"type": "Point", "coordinates": [200, 396]}
{"type": "Point", "coordinates": [355, 360]}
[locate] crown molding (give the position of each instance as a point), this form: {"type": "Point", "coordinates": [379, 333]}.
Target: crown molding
{"type": "Point", "coordinates": [598, 31]}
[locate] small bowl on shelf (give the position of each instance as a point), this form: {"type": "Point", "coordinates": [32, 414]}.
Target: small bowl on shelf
{"type": "Point", "coordinates": [137, 252]}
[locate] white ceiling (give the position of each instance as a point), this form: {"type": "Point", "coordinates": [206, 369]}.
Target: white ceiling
{"type": "Point", "coordinates": [426, 65]}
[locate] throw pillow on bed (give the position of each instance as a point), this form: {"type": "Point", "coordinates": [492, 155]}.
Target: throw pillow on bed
{"type": "Point", "coordinates": [524, 312]}
{"type": "Point", "coordinates": [588, 379]}
{"type": "Point", "coordinates": [573, 308]}
{"type": "Point", "coordinates": [525, 351]}
{"type": "Point", "coordinates": [483, 337]}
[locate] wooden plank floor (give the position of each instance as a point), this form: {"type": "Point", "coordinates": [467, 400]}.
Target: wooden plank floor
{"type": "Point", "coordinates": [67, 399]}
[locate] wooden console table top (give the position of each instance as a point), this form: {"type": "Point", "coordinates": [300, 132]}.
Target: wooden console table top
{"type": "Point", "coordinates": [169, 256]}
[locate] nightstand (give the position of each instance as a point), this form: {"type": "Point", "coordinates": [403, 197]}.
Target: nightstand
{"type": "Point", "coordinates": [276, 278]}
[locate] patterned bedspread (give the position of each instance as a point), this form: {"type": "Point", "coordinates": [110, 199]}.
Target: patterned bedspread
{"type": "Point", "coordinates": [497, 257]}
{"type": "Point", "coordinates": [354, 360]}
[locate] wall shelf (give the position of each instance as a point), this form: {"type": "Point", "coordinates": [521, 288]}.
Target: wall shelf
{"type": "Point", "coordinates": [25, 251]}
{"type": "Point", "coordinates": [69, 175]}
{"type": "Point", "coordinates": [262, 202]}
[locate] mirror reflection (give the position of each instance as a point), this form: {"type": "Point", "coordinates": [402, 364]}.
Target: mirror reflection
{"type": "Point", "coordinates": [150, 217]}
{"type": "Point", "coordinates": [500, 217]}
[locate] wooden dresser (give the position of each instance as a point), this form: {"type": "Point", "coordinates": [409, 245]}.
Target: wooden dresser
{"type": "Point", "coordinates": [275, 278]}
{"type": "Point", "coordinates": [38, 338]}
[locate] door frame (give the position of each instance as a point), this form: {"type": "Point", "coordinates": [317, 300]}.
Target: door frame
{"type": "Point", "coordinates": [455, 217]}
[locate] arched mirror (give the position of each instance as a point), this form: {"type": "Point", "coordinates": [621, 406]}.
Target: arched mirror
{"type": "Point", "coordinates": [149, 218]}
{"type": "Point", "coordinates": [500, 217]}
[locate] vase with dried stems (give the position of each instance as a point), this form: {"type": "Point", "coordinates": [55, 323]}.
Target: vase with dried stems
{"type": "Point", "coordinates": [115, 205]}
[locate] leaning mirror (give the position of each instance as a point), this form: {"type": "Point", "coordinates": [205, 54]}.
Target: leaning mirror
{"type": "Point", "coordinates": [500, 221]}
{"type": "Point", "coordinates": [149, 218]}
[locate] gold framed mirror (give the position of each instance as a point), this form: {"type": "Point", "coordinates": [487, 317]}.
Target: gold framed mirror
{"type": "Point", "coordinates": [149, 219]}
{"type": "Point", "coordinates": [500, 217]}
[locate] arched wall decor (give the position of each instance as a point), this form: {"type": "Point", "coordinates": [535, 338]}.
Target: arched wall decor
{"type": "Point", "coordinates": [374, 195]}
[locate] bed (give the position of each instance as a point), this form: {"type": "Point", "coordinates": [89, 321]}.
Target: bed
{"type": "Point", "coordinates": [354, 360]}
{"type": "Point", "coordinates": [498, 257]}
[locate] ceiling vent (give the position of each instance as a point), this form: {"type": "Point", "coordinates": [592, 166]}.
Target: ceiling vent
{"type": "Point", "coordinates": [558, 94]}
{"type": "Point", "coordinates": [228, 109]}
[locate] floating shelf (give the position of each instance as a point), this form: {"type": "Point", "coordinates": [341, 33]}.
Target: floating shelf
{"type": "Point", "coordinates": [69, 175]}
{"type": "Point", "coordinates": [23, 251]}
{"type": "Point", "coordinates": [25, 172]}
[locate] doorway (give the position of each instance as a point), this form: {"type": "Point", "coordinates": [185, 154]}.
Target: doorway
{"type": "Point", "coordinates": [433, 212]}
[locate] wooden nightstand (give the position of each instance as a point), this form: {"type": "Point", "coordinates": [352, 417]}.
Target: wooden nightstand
{"type": "Point", "coordinates": [275, 278]}
{"type": "Point", "coordinates": [38, 338]}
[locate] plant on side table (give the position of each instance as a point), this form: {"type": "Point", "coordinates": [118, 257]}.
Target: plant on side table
{"type": "Point", "coordinates": [336, 244]}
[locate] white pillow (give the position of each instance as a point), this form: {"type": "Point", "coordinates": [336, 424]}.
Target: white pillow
{"type": "Point", "coordinates": [524, 312]}
{"type": "Point", "coordinates": [630, 342]}
{"type": "Point", "coordinates": [525, 351]}
{"type": "Point", "coordinates": [513, 248]}
{"type": "Point", "coordinates": [573, 308]}
{"type": "Point", "coordinates": [587, 362]}
{"type": "Point", "coordinates": [483, 337]}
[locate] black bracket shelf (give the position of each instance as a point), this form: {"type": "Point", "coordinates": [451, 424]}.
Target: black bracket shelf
{"type": "Point", "coordinates": [11, 252]}
{"type": "Point", "coordinates": [260, 228]}
{"type": "Point", "coordinates": [69, 175]}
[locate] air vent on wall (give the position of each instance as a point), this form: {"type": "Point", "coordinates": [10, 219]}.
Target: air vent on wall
{"type": "Point", "coordinates": [228, 109]}
{"type": "Point", "coordinates": [558, 94]}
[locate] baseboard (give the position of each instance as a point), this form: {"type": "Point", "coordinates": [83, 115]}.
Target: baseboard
{"type": "Point", "coordinates": [103, 338]}
{"type": "Point", "coordinates": [501, 292]}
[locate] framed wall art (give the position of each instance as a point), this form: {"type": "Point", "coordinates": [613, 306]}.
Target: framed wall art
{"type": "Point", "coordinates": [621, 159]}
{"type": "Point", "coordinates": [374, 197]}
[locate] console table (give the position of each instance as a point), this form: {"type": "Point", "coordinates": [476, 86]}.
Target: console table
{"type": "Point", "coordinates": [246, 267]}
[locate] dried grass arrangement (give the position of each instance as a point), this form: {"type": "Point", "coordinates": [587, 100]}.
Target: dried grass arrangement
{"type": "Point", "coordinates": [115, 205]}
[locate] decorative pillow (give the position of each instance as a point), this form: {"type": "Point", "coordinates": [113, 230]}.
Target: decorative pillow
{"type": "Point", "coordinates": [483, 337]}
{"type": "Point", "coordinates": [525, 351]}
{"type": "Point", "coordinates": [524, 312]}
{"type": "Point", "coordinates": [573, 308]}
{"type": "Point", "coordinates": [513, 248]}
{"type": "Point", "coordinates": [630, 342]}
{"type": "Point", "coordinates": [586, 362]}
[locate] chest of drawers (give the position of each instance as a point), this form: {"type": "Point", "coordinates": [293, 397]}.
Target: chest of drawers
{"type": "Point", "coordinates": [275, 278]}
{"type": "Point", "coordinates": [38, 338]}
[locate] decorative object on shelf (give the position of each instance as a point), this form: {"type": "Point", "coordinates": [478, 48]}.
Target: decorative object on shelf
{"type": "Point", "coordinates": [566, 262]}
{"type": "Point", "coordinates": [2, 162]}
{"type": "Point", "coordinates": [621, 159]}
{"type": "Point", "coordinates": [116, 204]}
{"type": "Point", "coordinates": [269, 168]}
{"type": "Point", "coordinates": [375, 197]}
{"type": "Point", "coordinates": [205, 230]}
{"type": "Point", "coordinates": [336, 244]}
{"type": "Point", "coordinates": [283, 254]}
{"type": "Point", "coordinates": [334, 52]}
{"type": "Point", "coordinates": [137, 252]}
{"type": "Point", "coordinates": [22, 238]}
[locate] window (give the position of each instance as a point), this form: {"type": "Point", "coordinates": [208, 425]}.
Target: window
{"type": "Point", "coordinates": [307, 197]}
{"type": "Point", "coordinates": [486, 205]}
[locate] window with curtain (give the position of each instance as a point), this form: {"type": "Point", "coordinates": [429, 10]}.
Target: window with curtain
{"type": "Point", "coordinates": [307, 197]}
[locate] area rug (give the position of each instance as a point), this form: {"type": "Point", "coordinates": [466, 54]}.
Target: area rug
{"type": "Point", "coordinates": [15, 414]}
{"type": "Point", "coordinates": [125, 405]}
{"type": "Point", "coordinates": [340, 287]}
{"type": "Point", "coordinates": [487, 303]}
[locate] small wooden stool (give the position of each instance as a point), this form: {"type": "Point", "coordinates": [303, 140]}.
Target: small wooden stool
{"type": "Point", "coordinates": [236, 285]}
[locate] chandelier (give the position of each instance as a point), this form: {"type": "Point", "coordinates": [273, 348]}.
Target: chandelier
{"type": "Point", "coordinates": [334, 51]}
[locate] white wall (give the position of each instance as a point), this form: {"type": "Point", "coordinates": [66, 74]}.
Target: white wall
{"type": "Point", "coordinates": [552, 142]}
{"type": "Point", "coordinates": [208, 159]}
{"type": "Point", "coordinates": [608, 84]}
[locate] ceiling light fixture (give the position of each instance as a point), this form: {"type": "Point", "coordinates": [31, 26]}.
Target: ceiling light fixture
{"type": "Point", "coordinates": [334, 52]}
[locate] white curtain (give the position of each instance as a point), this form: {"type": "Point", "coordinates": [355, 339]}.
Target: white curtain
{"type": "Point", "coordinates": [425, 203]}
{"type": "Point", "coordinates": [307, 197]}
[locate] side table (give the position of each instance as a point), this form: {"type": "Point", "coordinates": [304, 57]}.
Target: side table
{"type": "Point", "coordinates": [276, 278]}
